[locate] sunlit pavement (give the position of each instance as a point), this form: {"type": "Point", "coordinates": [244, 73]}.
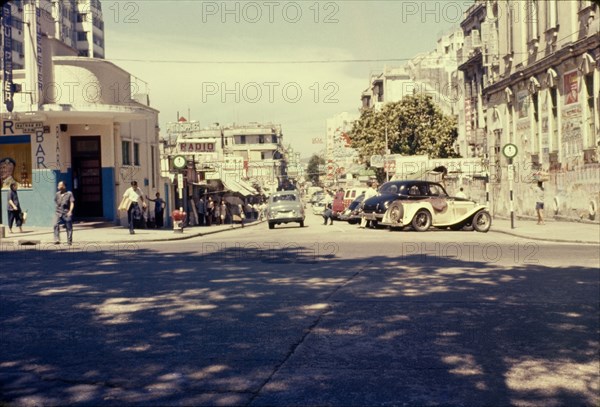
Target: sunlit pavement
{"type": "Point", "coordinates": [321, 315]}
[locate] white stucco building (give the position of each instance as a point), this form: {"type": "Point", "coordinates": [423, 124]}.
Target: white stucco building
{"type": "Point", "coordinates": [80, 120]}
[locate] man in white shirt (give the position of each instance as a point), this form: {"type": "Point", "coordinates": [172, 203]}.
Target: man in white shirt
{"type": "Point", "coordinates": [371, 192]}
{"type": "Point", "coordinates": [136, 196]}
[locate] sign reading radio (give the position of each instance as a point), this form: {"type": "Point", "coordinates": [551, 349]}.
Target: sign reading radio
{"type": "Point", "coordinates": [196, 147]}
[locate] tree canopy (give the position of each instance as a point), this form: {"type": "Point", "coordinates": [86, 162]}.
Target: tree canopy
{"type": "Point", "coordinates": [313, 171]}
{"type": "Point", "coordinates": [415, 126]}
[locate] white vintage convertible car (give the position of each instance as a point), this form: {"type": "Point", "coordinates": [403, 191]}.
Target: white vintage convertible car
{"type": "Point", "coordinates": [423, 205]}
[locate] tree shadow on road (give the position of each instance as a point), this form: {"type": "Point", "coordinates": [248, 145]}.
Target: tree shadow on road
{"type": "Point", "coordinates": [245, 324]}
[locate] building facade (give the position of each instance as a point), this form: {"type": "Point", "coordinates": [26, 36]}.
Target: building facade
{"type": "Point", "coordinates": [541, 94]}
{"type": "Point", "coordinates": [241, 159]}
{"type": "Point", "coordinates": [70, 118]}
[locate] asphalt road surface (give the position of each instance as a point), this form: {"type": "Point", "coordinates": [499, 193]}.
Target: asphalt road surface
{"type": "Point", "coordinates": [320, 315]}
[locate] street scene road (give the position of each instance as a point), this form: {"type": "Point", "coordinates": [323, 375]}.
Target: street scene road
{"type": "Point", "coordinates": [320, 315]}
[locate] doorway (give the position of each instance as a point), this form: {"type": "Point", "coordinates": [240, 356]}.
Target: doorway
{"type": "Point", "coordinates": [86, 166]}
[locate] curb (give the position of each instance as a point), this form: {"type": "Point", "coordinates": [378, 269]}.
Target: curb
{"type": "Point", "coordinates": [544, 239]}
{"type": "Point", "coordinates": [168, 239]}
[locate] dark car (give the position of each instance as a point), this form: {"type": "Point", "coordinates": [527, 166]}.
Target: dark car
{"type": "Point", "coordinates": [374, 208]}
{"type": "Point", "coordinates": [352, 214]}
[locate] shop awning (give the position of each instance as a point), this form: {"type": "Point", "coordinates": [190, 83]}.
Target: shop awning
{"type": "Point", "coordinates": [239, 186]}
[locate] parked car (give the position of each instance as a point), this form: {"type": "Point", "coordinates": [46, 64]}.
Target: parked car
{"type": "Point", "coordinates": [319, 207]}
{"type": "Point", "coordinates": [424, 205]}
{"type": "Point", "coordinates": [285, 207]}
{"type": "Point", "coordinates": [352, 214]}
{"type": "Point", "coordinates": [316, 197]}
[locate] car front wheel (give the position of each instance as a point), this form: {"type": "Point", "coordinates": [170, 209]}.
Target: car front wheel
{"type": "Point", "coordinates": [482, 221]}
{"type": "Point", "coordinates": [422, 221]}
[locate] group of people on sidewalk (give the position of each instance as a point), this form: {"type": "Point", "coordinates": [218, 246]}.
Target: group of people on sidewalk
{"type": "Point", "coordinates": [219, 212]}
{"type": "Point", "coordinates": [134, 202]}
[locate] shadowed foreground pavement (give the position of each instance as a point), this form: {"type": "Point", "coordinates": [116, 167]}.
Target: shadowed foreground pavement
{"type": "Point", "coordinates": [293, 327]}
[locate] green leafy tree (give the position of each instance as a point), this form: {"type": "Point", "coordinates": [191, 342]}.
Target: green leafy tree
{"type": "Point", "coordinates": [313, 168]}
{"type": "Point", "coordinates": [415, 126]}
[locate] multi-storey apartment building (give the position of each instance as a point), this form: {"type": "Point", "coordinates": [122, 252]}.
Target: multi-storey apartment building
{"type": "Point", "coordinates": [70, 118]}
{"type": "Point", "coordinates": [543, 97]}
{"type": "Point", "coordinates": [259, 150]}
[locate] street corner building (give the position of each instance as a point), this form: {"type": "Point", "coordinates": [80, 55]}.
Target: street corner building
{"type": "Point", "coordinates": [70, 115]}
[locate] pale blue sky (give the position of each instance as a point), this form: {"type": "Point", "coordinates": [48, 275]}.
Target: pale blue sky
{"type": "Point", "coordinates": [162, 42]}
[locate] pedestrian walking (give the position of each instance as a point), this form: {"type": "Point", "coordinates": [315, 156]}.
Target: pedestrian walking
{"type": "Point", "coordinates": [242, 214]}
{"type": "Point", "coordinates": [15, 215]}
{"type": "Point", "coordinates": [371, 192]}
{"type": "Point", "coordinates": [63, 215]}
{"type": "Point", "coordinates": [201, 209]}
{"type": "Point", "coordinates": [539, 204]}
{"type": "Point", "coordinates": [136, 203]}
{"type": "Point", "coordinates": [159, 209]}
{"type": "Point", "coordinates": [328, 215]}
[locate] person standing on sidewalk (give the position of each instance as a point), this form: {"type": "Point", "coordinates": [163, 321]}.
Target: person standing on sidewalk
{"type": "Point", "coordinates": [136, 196]}
{"type": "Point", "coordinates": [65, 203]}
{"type": "Point", "coordinates": [371, 192]}
{"type": "Point", "coordinates": [14, 208]}
{"type": "Point", "coordinates": [201, 209]}
{"type": "Point", "coordinates": [210, 210]}
{"type": "Point", "coordinates": [539, 204]}
{"type": "Point", "coordinates": [159, 208]}
{"type": "Point", "coordinates": [223, 212]}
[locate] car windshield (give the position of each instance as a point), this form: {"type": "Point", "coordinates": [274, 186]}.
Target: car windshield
{"type": "Point", "coordinates": [284, 198]}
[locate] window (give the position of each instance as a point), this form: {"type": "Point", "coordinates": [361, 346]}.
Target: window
{"type": "Point", "coordinates": [81, 17]}
{"type": "Point", "coordinates": [242, 139]}
{"type": "Point", "coordinates": [509, 27]}
{"type": "Point", "coordinates": [136, 153]}
{"type": "Point", "coordinates": [551, 14]}
{"type": "Point", "coordinates": [532, 20]}
{"type": "Point", "coordinates": [261, 139]}
{"type": "Point", "coordinates": [435, 190]}
{"type": "Point", "coordinates": [274, 139]}
{"type": "Point", "coordinates": [554, 100]}
{"type": "Point", "coordinates": [81, 36]}
{"type": "Point", "coordinates": [126, 151]}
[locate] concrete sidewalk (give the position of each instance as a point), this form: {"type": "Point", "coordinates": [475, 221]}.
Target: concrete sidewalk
{"type": "Point", "coordinates": [109, 234]}
{"type": "Point", "coordinates": [551, 231]}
